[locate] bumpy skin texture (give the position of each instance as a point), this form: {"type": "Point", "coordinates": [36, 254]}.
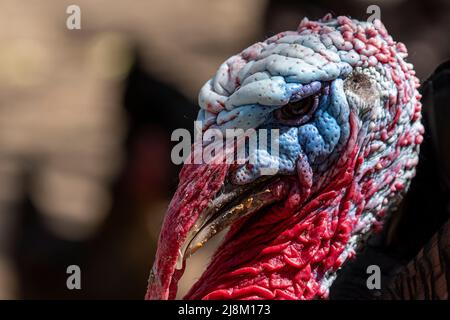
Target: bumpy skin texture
{"type": "Point", "coordinates": [342, 166]}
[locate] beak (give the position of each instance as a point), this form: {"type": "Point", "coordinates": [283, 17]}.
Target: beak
{"type": "Point", "coordinates": [230, 205]}
{"type": "Point", "coordinates": [201, 208]}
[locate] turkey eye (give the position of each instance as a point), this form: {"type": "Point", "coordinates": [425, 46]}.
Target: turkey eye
{"type": "Point", "coordinates": [298, 111]}
{"type": "Point", "coordinates": [298, 108]}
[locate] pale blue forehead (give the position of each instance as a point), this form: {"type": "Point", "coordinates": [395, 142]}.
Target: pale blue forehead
{"type": "Point", "coordinates": [245, 91]}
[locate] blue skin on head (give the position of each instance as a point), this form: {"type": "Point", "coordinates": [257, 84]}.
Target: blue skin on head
{"type": "Point", "coordinates": [317, 139]}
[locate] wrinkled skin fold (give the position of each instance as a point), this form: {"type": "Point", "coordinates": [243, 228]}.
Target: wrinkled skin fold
{"type": "Point", "coordinates": [348, 113]}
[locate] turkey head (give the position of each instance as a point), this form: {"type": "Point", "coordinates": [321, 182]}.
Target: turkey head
{"type": "Point", "coordinates": [339, 106]}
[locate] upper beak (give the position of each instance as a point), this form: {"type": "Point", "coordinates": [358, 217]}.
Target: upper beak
{"type": "Point", "coordinates": [231, 204]}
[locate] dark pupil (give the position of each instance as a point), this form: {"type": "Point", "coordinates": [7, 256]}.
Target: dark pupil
{"type": "Point", "coordinates": [298, 108]}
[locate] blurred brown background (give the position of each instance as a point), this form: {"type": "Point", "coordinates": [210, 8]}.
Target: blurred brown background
{"type": "Point", "coordinates": [86, 117]}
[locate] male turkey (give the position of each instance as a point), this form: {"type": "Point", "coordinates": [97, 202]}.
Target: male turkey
{"type": "Point", "coordinates": [348, 113]}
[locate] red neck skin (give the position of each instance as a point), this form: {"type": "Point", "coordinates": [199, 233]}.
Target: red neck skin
{"type": "Point", "coordinates": [284, 251]}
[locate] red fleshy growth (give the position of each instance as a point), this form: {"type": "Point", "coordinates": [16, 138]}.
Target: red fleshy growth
{"type": "Point", "coordinates": [198, 185]}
